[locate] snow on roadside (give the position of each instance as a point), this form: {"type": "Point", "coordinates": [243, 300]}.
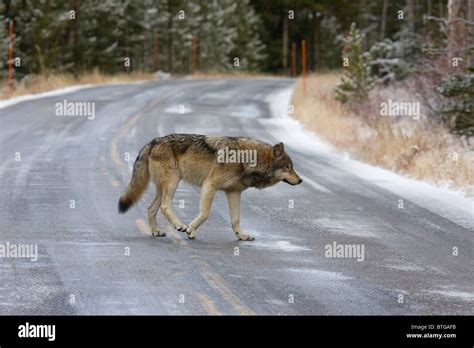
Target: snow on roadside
{"type": "Point", "coordinates": [15, 100]}
{"type": "Point", "coordinates": [452, 205]}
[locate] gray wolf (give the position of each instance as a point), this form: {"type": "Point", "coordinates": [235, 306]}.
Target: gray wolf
{"type": "Point", "coordinates": [212, 162]}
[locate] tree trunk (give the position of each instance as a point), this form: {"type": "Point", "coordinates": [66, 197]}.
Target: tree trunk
{"type": "Point", "coordinates": [383, 25]}
{"type": "Point", "coordinates": [430, 7]}
{"type": "Point", "coordinates": [315, 46]}
{"type": "Point", "coordinates": [285, 41]}
{"type": "Point", "coordinates": [72, 28]}
{"type": "Point", "coordinates": [170, 38]}
{"type": "Point", "coordinates": [455, 28]}
{"type": "Point", "coordinates": [411, 14]}
{"type": "Point", "coordinates": [143, 54]}
{"type": "Point", "coordinates": [470, 18]}
{"type": "Point", "coordinates": [71, 35]}
{"type": "Point", "coordinates": [155, 53]}
{"type": "Point", "coordinates": [127, 50]}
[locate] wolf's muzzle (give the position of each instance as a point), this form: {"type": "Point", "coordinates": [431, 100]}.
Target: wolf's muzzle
{"type": "Point", "coordinates": [299, 182]}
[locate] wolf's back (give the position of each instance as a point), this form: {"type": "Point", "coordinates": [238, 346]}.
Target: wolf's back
{"type": "Point", "coordinates": [138, 183]}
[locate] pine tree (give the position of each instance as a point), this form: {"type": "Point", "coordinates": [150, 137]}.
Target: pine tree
{"type": "Point", "coordinates": [103, 34]}
{"type": "Point", "coordinates": [459, 109]}
{"type": "Point", "coordinates": [42, 27]}
{"type": "Point", "coordinates": [188, 19]}
{"type": "Point", "coordinates": [217, 34]}
{"type": "Point", "coordinates": [248, 46]}
{"type": "Point", "coordinates": [357, 81]}
{"type": "Point", "coordinates": [155, 17]}
{"type": "Point", "coordinates": [390, 60]}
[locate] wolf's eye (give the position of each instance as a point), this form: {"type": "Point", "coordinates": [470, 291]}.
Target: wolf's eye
{"type": "Point", "coordinates": [287, 169]}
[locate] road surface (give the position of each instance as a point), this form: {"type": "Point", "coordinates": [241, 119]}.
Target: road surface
{"type": "Point", "coordinates": [61, 178]}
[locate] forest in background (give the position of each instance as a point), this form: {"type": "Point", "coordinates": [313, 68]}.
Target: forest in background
{"type": "Point", "coordinates": [80, 35]}
{"type": "Point", "coordinates": [430, 41]}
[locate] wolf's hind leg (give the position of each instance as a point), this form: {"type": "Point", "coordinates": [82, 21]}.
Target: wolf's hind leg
{"type": "Point", "coordinates": [207, 196]}
{"type": "Point", "coordinates": [152, 211]}
{"type": "Point", "coordinates": [168, 190]}
{"type": "Point", "coordinates": [233, 200]}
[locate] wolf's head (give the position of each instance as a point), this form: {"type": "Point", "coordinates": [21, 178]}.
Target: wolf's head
{"type": "Point", "coordinates": [282, 167]}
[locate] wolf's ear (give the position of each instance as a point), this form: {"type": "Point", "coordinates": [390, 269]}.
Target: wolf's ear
{"type": "Point", "coordinates": [278, 149]}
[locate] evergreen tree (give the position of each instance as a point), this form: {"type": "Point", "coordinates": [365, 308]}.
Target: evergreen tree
{"type": "Point", "coordinates": [249, 48]}
{"type": "Point", "coordinates": [217, 35]}
{"type": "Point", "coordinates": [155, 19]}
{"type": "Point", "coordinates": [357, 81]}
{"type": "Point", "coordinates": [188, 18]}
{"type": "Point", "coordinates": [459, 109]}
{"type": "Point", "coordinates": [104, 34]}
{"type": "Point", "coordinates": [42, 27]}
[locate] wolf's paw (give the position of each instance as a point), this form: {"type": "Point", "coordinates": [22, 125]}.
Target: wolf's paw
{"type": "Point", "coordinates": [190, 232]}
{"type": "Point", "coordinates": [182, 228]}
{"type": "Point", "coordinates": [158, 233]}
{"type": "Point", "coordinates": [242, 236]}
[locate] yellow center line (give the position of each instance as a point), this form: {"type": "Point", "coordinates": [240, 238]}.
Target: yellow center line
{"type": "Point", "coordinates": [208, 304]}
{"type": "Point", "coordinates": [175, 237]}
{"type": "Point", "coordinates": [125, 128]}
{"type": "Point", "coordinates": [143, 226]}
{"type": "Point", "coordinates": [216, 281]}
{"type": "Point", "coordinates": [114, 182]}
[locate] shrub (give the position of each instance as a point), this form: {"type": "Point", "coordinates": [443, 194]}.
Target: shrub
{"type": "Point", "coordinates": [458, 111]}
{"type": "Point", "coordinates": [356, 81]}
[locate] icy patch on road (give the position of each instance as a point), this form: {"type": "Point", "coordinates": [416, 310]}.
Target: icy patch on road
{"type": "Point", "coordinates": [465, 296]}
{"type": "Point", "coordinates": [406, 267]}
{"type": "Point", "coordinates": [442, 201]}
{"type": "Point", "coordinates": [178, 109]}
{"type": "Point", "coordinates": [320, 274]}
{"type": "Point", "coordinates": [402, 265]}
{"type": "Point", "coordinates": [340, 225]}
{"type": "Point", "coordinates": [281, 245]}
{"type": "Point", "coordinates": [248, 111]}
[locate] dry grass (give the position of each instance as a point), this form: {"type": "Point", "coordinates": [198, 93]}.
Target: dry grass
{"type": "Point", "coordinates": [421, 148]}
{"type": "Point", "coordinates": [33, 84]}
{"type": "Point", "coordinates": [203, 75]}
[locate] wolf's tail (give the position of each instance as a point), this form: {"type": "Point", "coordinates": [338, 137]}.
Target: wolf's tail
{"type": "Point", "coordinates": [138, 183]}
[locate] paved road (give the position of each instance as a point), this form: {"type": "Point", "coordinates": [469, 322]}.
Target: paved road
{"type": "Point", "coordinates": [62, 195]}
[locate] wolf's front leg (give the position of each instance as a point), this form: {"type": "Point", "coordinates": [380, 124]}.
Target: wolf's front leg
{"type": "Point", "coordinates": [233, 200]}
{"type": "Point", "coordinates": [207, 196]}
